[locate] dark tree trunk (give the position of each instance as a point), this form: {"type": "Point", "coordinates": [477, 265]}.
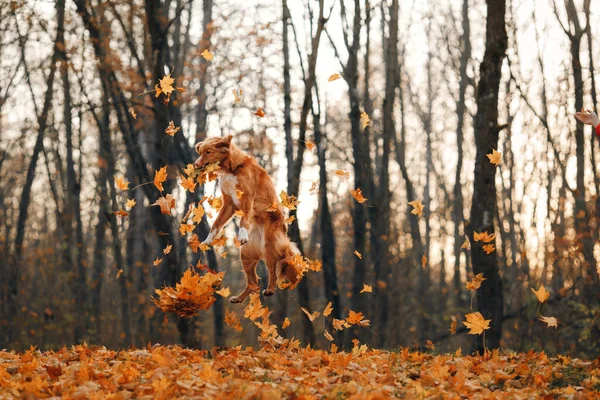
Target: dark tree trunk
{"type": "Point", "coordinates": [483, 210]}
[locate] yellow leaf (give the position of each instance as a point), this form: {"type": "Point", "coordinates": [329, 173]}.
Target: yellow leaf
{"type": "Point", "coordinates": [489, 248]}
{"type": "Point", "coordinates": [358, 196]}
{"type": "Point", "coordinates": [476, 323]}
{"type": "Point", "coordinates": [130, 203]}
{"type": "Point", "coordinates": [476, 283]}
{"type": "Point", "coordinates": [354, 317]}
{"type": "Point", "coordinates": [288, 201]}
{"type": "Point", "coordinates": [286, 323]}
{"type": "Point", "coordinates": [216, 203]}
{"type": "Point", "coordinates": [495, 157]}
{"type": "Point", "coordinates": [188, 184]}
{"type": "Point", "coordinates": [119, 273]}
{"type": "Point", "coordinates": [366, 288]}
{"type": "Point", "coordinates": [551, 321]}
{"type": "Point", "coordinates": [172, 129]}
{"type": "Point", "coordinates": [204, 247]}
{"type": "Point", "coordinates": [167, 249]}
{"type": "Point", "coordinates": [290, 220]}
{"type": "Point", "coordinates": [237, 243]}
{"type": "Point", "coordinates": [166, 84]}
{"type": "Point", "coordinates": [239, 213]}
{"type": "Point", "coordinates": [339, 324]}
{"type": "Point", "coordinates": [364, 120]}
{"type": "Point", "coordinates": [208, 56]}
{"type": "Point", "coordinates": [197, 213]}
{"type": "Point", "coordinates": [310, 145]}
{"type": "Point", "coordinates": [542, 294]}
{"type": "Point", "coordinates": [328, 309]}
{"type": "Point", "coordinates": [273, 207]}
{"type": "Point", "coordinates": [132, 112]}
{"type": "Point", "coordinates": [358, 254]}
{"type": "Point", "coordinates": [224, 254]}
{"type": "Point", "coordinates": [186, 228]}
{"type": "Point", "coordinates": [466, 244]}
{"type": "Point", "coordinates": [157, 261]}
{"type": "Point", "coordinates": [239, 194]}
{"type": "Point", "coordinates": [311, 316]}
{"type": "Point", "coordinates": [453, 325]}
{"type": "Point", "coordinates": [328, 336]}
{"type": "Point", "coordinates": [343, 174]}
{"type": "Point", "coordinates": [121, 183]}
{"type": "Point", "coordinates": [159, 177]}
{"type": "Point", "coordinates": [225, 292]}
{"type": "Point", "coordinates": [237, 93]}
{"type": "Point", "coordinates": [232, 320]}
{"type": "Point", "coordinates": [314, 186]}
{"type": "Point", "coordinates": [334, 77]}
{"type": "Point", "coordinates": [417, 206]}
{"type": "Point", "coordinates": [166, 203]}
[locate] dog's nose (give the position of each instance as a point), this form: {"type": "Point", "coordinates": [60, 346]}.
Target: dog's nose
{"type": "Point", "coordinates": [197, 163]}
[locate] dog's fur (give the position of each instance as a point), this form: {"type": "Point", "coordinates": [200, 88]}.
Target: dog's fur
{"type": "Point", "coordinates": [263, 233]}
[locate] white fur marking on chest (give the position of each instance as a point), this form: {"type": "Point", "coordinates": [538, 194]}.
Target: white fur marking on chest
{"type": "Point", "coordinates": [228, 184]}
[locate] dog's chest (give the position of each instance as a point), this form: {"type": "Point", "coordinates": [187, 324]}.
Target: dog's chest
{"type": "Point", "coordinates": [228, 184]}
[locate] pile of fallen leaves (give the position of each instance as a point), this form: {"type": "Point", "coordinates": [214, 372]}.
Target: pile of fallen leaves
{"type": "Point", "coordinates": [291, 371]}
{"type": "Point", "coordinates": [193, 293]}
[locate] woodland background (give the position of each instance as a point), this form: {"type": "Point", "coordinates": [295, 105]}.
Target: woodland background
{"type": "Point", "coordinates": [440, 95]}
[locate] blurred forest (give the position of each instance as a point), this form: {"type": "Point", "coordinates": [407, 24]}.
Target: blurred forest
{"type": "Point", "coordinates": [443, 84]}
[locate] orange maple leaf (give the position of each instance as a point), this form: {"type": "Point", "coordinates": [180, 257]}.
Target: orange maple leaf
{"type": "Point", "coordinates": [259, 112]}
{"type": "Point", "coordinates": [334, 77]}
{"type": "Point", "coordinates": [159, 177]}
{"type": "Point", "coordinates": [166, 203]}
{"type": "Point", "coordinates": [476, 323]}
{"type": "Point", "coordinates": [188, 184]}
{"type": "Point", "coordinates": [121, 182]}
{"type": "Point", "coordinates": [542, 294]}
{"type": "Point", "coordinates": [172, 129]}
{"type": "Point", "coordinates": [358, 195]}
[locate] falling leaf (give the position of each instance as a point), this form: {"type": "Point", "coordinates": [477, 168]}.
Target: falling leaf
{"type": "Point", "coordinates": [159, 177]}
{"type": "Point", "coordinates": [181, 90]}
{"type": "Point", "coordinates": [328, 309]}
{"type": "Point", "coordinates": [166, 84]}
{"type": "Point", "coordinates": [184, 229]}
{"type": "Point", "coordinates": [119, 273]}
{"type": "Point", "coordinates": [358, 196]}
{"type": "Point", "coordinates": [172, 129]}
{"type": "Point", "coordinates": [121, 183]}
{"type": "Point", "coordinates": [239, 213]}
{"type": "Point", "coordinates": [475, 283]}
{"type": "Point", "coordinates": [551, 321]}
{"type": "Point", "coordinates": [314, 186]}
{"type": "Point", "coordinates": [339, 324]}
{"type": "Point", "coordinates": [343, 174]}
{"type": "Point", "coordinates": [542, 294]}
{"type": "Point", "coordinates": [237, 243]}
{"type": "Point", "coordinates": [334, 77]}
{"type": "Point", "coordinates": [157, 261]}
{"type": "Point", "coordinates": [310, 145]}
{"type": "Point", "coordinates": [356, 318]}
{"type": "Point", "coordinates": [197, 213]}
{"type": "Point", "coordinates": [288, 201]}
{"type": "Point", "coordinates": [194, 243]}
{"type": "Point", "coordinates": [484, 237]}
{"type": "Point", "coordinates": [188, 184]}
{"type": "Point", "coordinates": [132, 112]}
{"type": "Point", "coordinates": [166, 203]}
{"type": "Point", "coordinates": [364, 120]}
{"type": "Point", "coordinates": [225, 292]}
{"type": "Point", "coordinates": [273, 207]}
{"type": "Point", "coordinates": [290, 220]}
{"type": "Point", "coordinates": [286, 323]}
{"type": "Point", "coordinates": [495, 157]}
{"type": "Point", "coordinates": [466, 244]}
{"type": "Point", "coordinates": [130, 203]}
{"type": "Point", "coordinates": [220, 241]}
{"type": "Point", "coordinates": [476, 323]}
{"type": "Point", "coordinates": [453, 325]}
{"type": "Point", "coordinates": [204, 247]}
{"type": "Point", "coordinates": [429, 344]}
{"type": "Point", "coordinates": [328, 335]}
{"type": "Point", "coordinates": [239, 194]}
{"type": "Point", "coordinates": [167, 249]}
{"type": "Point", "coordinates": [424, 261]}
{"type": "Point", "coordinates": [259, 112]}
{"type": "Point", "coordinates": [121, 213]}
{"type": "Point", "coordinates": [237, 94]}
{"type": "Point", "coordinates": [311, 316]}
{"type": "Point", "coordinates": [232, 320]}
{"type": "Point", "coordinates": [216, 203]}
{"type": "Point", "coordinates": [417, 206]}
{"type": "Point", "coordinates": [489, 248]}
{"type": "Point", "coordinates": [358, 254]}
{"type": "Point", "coordinates": [208, 56]}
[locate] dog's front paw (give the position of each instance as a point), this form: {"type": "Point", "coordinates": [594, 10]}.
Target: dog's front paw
{"type": "Point", "coordinates": [268, 292]}
{"type": "Point", "coordinates": [209, 239]}
{"type": "Point", "coordinates": [243, 236]}
{"type": "Point", "coordinates": [235, 299]}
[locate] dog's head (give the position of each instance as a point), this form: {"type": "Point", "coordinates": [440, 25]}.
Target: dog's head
{"type": "Point", "coordinates": [212, 150]}
{"type": "Point", "coordinates": [287, 270]}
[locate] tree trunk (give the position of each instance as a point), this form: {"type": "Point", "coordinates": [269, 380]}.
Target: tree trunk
{"type": "Point", "coordinates": [483, 210]}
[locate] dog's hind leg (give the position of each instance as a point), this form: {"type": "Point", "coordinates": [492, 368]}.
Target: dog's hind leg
{"type": "Point", "coordinates": [250, 256]}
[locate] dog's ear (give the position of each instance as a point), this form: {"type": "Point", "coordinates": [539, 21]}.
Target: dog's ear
{"type": "Point", "coordinates": [197, 147]}
{"type": "Point", "coordinates": [224, 143]}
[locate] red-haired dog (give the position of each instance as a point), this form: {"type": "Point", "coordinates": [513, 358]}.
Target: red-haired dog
{"type": "Point", "coordinates": [263, 231]}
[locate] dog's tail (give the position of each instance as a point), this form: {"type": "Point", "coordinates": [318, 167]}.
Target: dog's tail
{"type": "Point", "coordinates": [288, 267]}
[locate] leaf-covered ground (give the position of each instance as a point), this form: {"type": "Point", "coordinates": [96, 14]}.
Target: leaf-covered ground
{"type": "Point", "coordinates": [291, 372]}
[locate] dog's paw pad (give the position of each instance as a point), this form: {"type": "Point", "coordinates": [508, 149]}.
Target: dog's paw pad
{"type": "Point", "coordinates": [243, 236]}
{"type": "Point", "coordinates": [268, 292]}
{"type": "Point", "coordinates": [235, 299]}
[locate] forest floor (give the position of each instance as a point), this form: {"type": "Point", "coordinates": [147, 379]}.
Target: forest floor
{"type": "Point", "coordinates": [290, 371]}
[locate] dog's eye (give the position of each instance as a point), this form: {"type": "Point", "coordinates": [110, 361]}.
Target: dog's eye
{"type": "Point", "coordinates": [207, 152]}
